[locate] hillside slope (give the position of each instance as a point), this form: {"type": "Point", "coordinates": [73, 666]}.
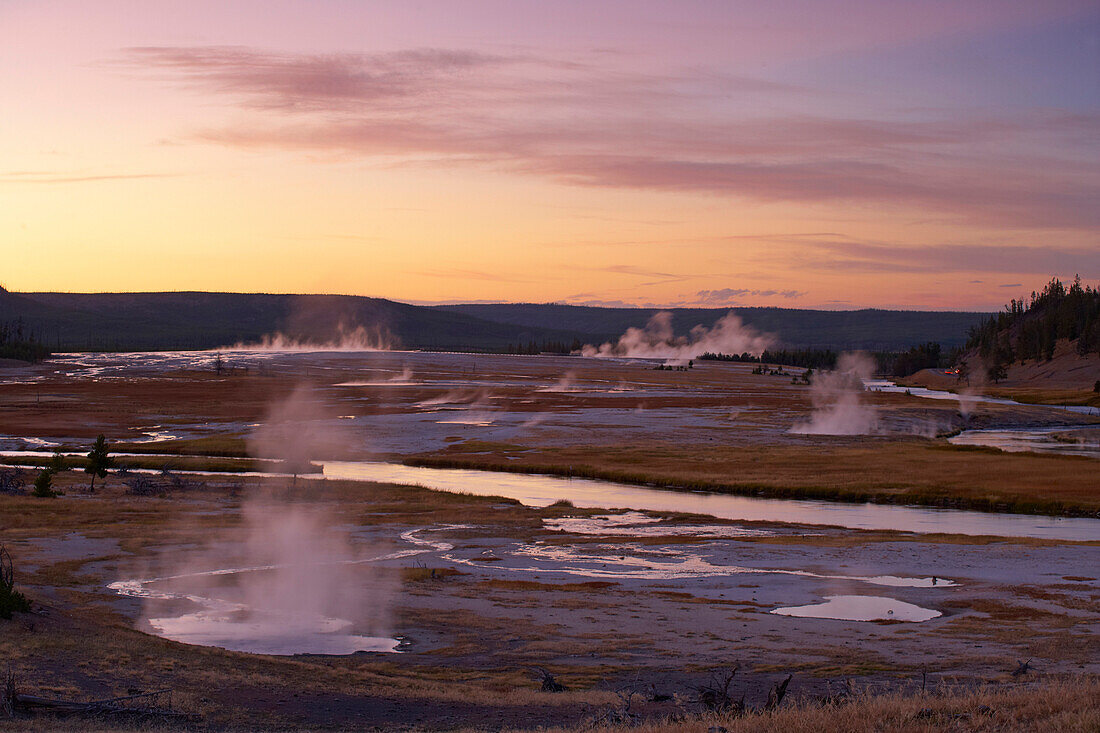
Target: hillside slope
{"type": "Point", "coordinates": [190, 320]}
{"type": "Point", "coordinates": [196, 320]}
{"type": "Point", "coordinates": [1043, 350]}
{"type": "Point", "coordinates": [869, 329]}
{"type": "Point", "coordinates": [1067, 370]}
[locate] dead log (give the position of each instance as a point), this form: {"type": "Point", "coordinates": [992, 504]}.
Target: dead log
{"type": "Point", "coordinates": [7, 696]}
{"type": "Point", "coordinates": [549, 683]}
{"type": "Point", "coordinates": [716, 697]}
{"type": "Point", "coordinates": [111, 707]}
{"type": "Point", "coordinates": [775, 697]}
{"type": "Point", "coordinates": [655, 696]}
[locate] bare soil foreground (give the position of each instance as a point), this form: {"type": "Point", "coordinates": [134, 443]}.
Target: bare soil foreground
{"type": "Point", "coordinates": [479, 608]}
{"type": "Point", "coordinates": [483, 604]}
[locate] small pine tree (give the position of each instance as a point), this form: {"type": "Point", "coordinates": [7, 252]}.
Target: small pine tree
{"type": "Point", "coordinates": [43, 485]}
{"type": "Point", "coordinates": [57, 463]}
{"type": "Point", "coordinates": [98, 461]}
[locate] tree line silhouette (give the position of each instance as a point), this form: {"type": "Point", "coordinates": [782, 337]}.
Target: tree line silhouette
{"type": "Point", "coordinates": [805, 358]}
{"type": "Point", "coordinates": [894, 363]}
{"type": "Point", "coordinates": [18, 342]}
{"type": "Point", "coordinates": [546, 347]}
{"type": "Point", "coordinates": [1031, 329]}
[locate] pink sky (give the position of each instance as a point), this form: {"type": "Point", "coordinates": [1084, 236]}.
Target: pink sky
{"type": "Point", "coordinates": [800, 154]}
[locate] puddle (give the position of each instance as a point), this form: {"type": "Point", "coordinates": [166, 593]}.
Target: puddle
{"type": "Point", "coordinates": [22, 443]}
{"type": "Point", "coordinates": [236, 627]}
{"type": "Point", "coordinates": [277, 634]}
{"type": "Point", "coordinates": [860, 608]}
{"type": "Point", "coordinates": [154, 434]}
{"type": "Point", "coordinates": [474, 421]}
{"type": "Point", "coordinates": [632, 562]}
{"type": "Point", "coordinates": [635, 524]}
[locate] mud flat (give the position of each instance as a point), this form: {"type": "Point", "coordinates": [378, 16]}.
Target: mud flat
{"type": "Point", "coordinates": [716, 427]}
{"type": "Point", "coordinates": [603, 598]}
{"type": "Point", "coordinates": [466, 592]}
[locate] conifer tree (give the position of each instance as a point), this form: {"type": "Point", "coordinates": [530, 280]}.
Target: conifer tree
{"type": "Point", "coordinates": [98, 461]}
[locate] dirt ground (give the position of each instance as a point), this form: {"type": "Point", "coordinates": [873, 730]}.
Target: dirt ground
{"type": "Point", "coordinates": [514, 591]}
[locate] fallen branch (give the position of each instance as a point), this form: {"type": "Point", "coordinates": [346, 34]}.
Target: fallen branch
{"type": "Point", "coordinates": [549, 683]}
{"type": "Point", "coordinates": [112, 707]}
{"type": "Point", "coordinates": [715, 696]}
{"type": "Point", "coordinates": [775, 697]}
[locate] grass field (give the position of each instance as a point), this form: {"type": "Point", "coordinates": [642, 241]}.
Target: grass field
{"type": "Point", "coordinates": [912, 471]}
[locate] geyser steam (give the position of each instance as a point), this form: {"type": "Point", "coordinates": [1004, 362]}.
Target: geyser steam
{"type": "Point", "coordinates": [344, 338]}
{"type": "Point", "coordinates": [297, 584]}
{"type": "Point", "coordinates": [658, 341]}
{"type": "Point", "coordinates": [837, 398]}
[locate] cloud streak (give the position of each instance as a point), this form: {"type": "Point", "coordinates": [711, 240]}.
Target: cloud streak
{"type": "Point", "coordinates": [898, 258]}
{"type": "Point", "coordinates": [583, 122]}
{"type": "Point", "coordinates": [731, 296]}
{"type": "Point", "coordinates": [50, 177]}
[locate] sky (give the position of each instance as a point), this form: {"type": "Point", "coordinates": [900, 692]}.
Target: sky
{"type": "Point", "coordinates": [914, 154]}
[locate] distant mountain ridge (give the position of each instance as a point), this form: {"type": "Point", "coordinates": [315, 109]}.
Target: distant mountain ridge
{"type": "Point", "coordinates": [202, 320]}
{"type": "Point", "coordinates": [868, 329]}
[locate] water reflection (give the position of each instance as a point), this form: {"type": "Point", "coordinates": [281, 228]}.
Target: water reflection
{"type": "Point", "coordinates": [541, 490]}
{"type": "Point", "coordinates": [885, 385]}
{"type": "Point", "coordinates": [1064, 441]}
{"type": "Point", "coordinates": [860, 608]}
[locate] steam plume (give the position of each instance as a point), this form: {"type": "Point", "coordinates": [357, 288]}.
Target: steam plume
{"type": "Point", "coordinates": [359, 338]}
{"type": "Point", "coordinates": [298, 584]}
{"type": "Point", "coordinates": [658, 340]}
{"type": "Point", "coordinates": [837, 398]}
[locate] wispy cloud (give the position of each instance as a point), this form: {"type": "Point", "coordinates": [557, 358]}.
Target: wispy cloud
{"type": "Point", "coordinates": [897, 258]}
{"type": "Point", "coordinates": [634, 270]}
{"type": "Point", "coordinates": [465, 274]}
{"type": "Point", "coordinates": [48, 177]}
{"type": "Point", "coordinates": [733, 296]}
{"type": "Point", "coordinates": [598, 303]}
{"type": "Point", "coordinates": [580, 121]}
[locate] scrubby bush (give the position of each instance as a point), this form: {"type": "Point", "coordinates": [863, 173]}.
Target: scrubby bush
{"type": "Point", "coordinates": [12, 480]}
{"type": "Point", "coordinates": [11, 600]}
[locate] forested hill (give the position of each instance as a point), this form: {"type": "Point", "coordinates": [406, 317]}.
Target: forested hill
{"type": "Point", "coordinates": [199, 320]}
{"type": "Point", "coordinates": [1031, 330]}
{"type": "Point", "coordinates": [869, 329]}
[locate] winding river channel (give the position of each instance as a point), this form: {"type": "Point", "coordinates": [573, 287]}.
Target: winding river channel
{"type": "Point", "coordinates": [542, 490]}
